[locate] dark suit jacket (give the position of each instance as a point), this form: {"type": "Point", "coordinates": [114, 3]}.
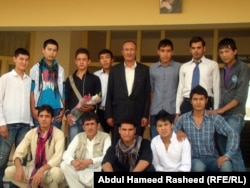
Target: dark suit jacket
{"type": "Point", "coordinates": [118, 104]}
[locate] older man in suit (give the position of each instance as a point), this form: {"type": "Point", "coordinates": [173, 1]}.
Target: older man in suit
{"type": "Point", "coordinates": [128, 92]}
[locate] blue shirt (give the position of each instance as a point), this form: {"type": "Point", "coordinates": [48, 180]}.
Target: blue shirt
{"type": "Point", "coordinates": [48, 94]}
{"type": "Point", "coordinates": [164, 83]}
{"type": "Point", "coordinates": [202, 139]}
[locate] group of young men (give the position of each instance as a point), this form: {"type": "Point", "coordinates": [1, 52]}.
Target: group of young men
{"type": "Point", "coordinates": [195, 122]}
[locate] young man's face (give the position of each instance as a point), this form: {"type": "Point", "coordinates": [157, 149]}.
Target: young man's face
{"type": "Point", "coordinates": [82, 61]}
{"type": "Point", "coordinates": [227, 55]}
{"type": "Point", "coordinates": [165, 54]}
{"type": "Point", "coordinates": [197, 50]}
{"type": "Point", "coordinates": [105, 61]}
{"type": "Point", "coordinates": [91, 128]}
{"type": "Point", "coordinates": [45, 120]}
{"type": "Point", "coordinates": [21, 62]}
{"type": "Point", "coordinates": [127, 132]}
{"type": "Point", "coordinates": [199, 102]}
{"type": "Point", "coordinates": [129, 51]}
{"type": "Point", "coordinates": [50, 52]}
{"type": "Point", "coordinates": [164, 128]}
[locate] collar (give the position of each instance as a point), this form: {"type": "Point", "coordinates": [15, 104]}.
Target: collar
{"type": "Point", "coordinates": [133, 67]}
{"type": "Point", "coordinates": [159, 64]}
{"type": "Point", "coordinates": [14, 73]}
{"type": "Point", "coordinates": [202, 59]}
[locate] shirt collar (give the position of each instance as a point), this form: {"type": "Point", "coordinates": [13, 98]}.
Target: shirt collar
{"type": "Point", "coordinates": [14, 73]}
{"type": "Point", "coordinates": [170, 64]}
{"type": "Point", "coordinates": [202, 59]}
{"type": "Point", "coordinates": [133, 67]}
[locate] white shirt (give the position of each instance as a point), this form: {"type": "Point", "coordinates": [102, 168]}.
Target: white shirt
{"type": "Point", "coordinates": [130, 76]}
{"type": "Point", "coordinates": [15, 99]}
{"type": "Point", "coordinates": [209, 79]}
{"type": "Point", "coordinates": [69, 154]}
{"type": "Point", "coordinates": [104, 83]}
{"type": "Point", "coordinates": [176, 158]}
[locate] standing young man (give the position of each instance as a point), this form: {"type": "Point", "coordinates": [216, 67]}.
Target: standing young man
{"type": "Point", "coordinates": [128, 92]}
{"type": "Point", "coordinates": [164, 79]}
{"type": "Point", "coordinates": [85, 83]}
{"type": "Point", "coordinates": [106, 59]}
{"type": "Point", "coordinates": [15, 116]}
{"type": "Point", "coordinates": [209, 78]}
{"type": "Point", "coordinates": [48, 83]}
{"type": "Point", "coordinates": [234, 90]}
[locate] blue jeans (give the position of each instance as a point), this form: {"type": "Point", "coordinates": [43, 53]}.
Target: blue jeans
{"type": "Point", "coordinates": [55, 123]}
{"type": "Point", "coordinates": [153, 131]}
{"type": "Point", "coordinates": [16, 134]}
{"type": "Point", "coordinates": [75, 129]}
{"type": "Point", "coordinates": [237, 123]}
{"type": "Point", "coordinates": [209, 164]}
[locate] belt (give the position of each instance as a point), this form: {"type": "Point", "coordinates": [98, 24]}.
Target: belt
{"type": "Point", "coordinates": [101, 108]}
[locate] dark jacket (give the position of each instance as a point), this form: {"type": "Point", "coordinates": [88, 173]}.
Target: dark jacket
{"type": "Point", "coordinates": [118, 104]}
{"type": "Point", "coordinates": [237, 88]}
{"type": "Point", "coordinates": [90, 83]}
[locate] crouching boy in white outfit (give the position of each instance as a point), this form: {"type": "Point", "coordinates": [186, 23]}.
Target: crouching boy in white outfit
{"type": "Point", "coordinates": [85, 152]}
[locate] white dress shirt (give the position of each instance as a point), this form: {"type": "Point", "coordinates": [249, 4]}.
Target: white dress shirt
{"type": "Point", "coordinates": [209, 79]}
{"type": "Point", "coordinates": [176, 158]}
{"type": "Point", "coordinates": [15, 99]}
{"type": "Point", "coordinates": [104, 83]}
{"type": "Point", "coordinates": [130, 76]}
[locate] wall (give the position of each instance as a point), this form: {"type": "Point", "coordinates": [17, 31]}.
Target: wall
{"type": "Point", "coordinates": [62, 37]}
{"type": "Point", "coordinates": [66, 21]}
{"type": "Point", "coordinates": [99, 14]}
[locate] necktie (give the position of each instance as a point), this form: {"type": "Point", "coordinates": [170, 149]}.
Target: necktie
{"type": "Point", "coordinates": [196, 75]}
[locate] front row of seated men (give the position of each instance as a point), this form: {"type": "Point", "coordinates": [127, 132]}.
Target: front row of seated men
{"type": "Point", "coordinates": [91, 151]}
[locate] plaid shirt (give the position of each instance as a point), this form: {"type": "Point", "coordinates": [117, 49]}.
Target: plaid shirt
{"type": "Point", "coordinates": [202, 139]}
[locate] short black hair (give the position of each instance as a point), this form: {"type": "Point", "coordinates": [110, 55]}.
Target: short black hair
{"type": "Point", "coordinates": [22, 51]}
{"type": "Point", "coordinates": [166, 42]}
{"type": "Point", "coordinates": [105, 51]}
{"type": "Point", "coordinates": [90, 115]}
{"type": "Point", "coordinates": [127, 121]}
{"type": "Point", "coordinates": [46, 108]}
{"type": "Point", "coordinates": [50, 41]}
{"type": "Point", "coordinates": [196, 39]}
{"type": "Point", "coordinates": [228, 43]}
{"type": "Point", "coordinates": [198, 90]}
{"type": "Point", "coordinates": [82, 51]}
{"type": "Point", "coordinates": [164, 116]}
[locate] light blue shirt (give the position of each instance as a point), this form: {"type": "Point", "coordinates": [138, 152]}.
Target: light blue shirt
{"type": "Point", "coordinates": [164, 83]}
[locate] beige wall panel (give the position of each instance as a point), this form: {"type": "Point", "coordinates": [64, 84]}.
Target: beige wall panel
{"type": "Point", "coordinates": [130, 13]}
{"type": "Point", "coordinates": [63, 39]}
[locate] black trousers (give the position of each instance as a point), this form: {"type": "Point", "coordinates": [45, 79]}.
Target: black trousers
{"type": "Point", "coordinates": [186, 105]}
{"type": "Point", "coordinates": [101, 114]}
